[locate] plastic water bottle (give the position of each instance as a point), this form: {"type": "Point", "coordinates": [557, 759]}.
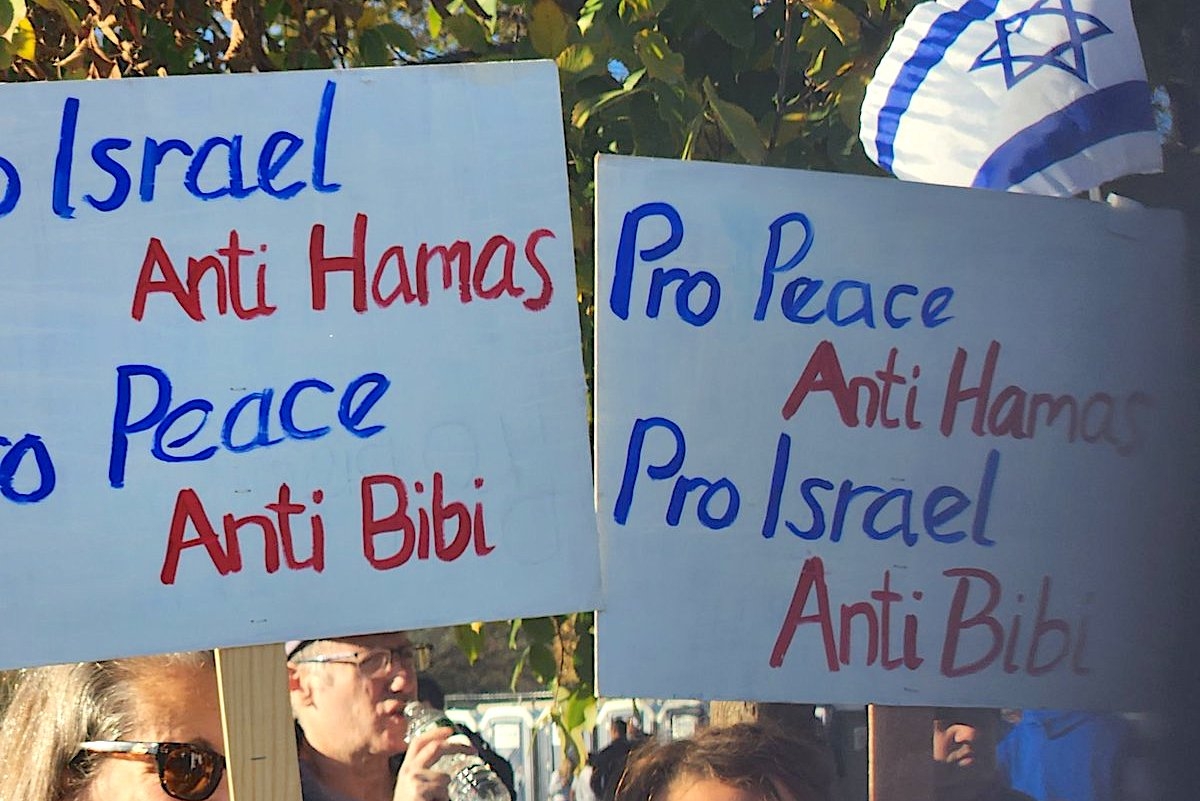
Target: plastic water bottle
{"type": "Point", "coordinates": [471, 779]}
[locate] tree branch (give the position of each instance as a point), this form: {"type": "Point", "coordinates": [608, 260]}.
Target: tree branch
{"type": "Point", "coordinates": [785, 57]}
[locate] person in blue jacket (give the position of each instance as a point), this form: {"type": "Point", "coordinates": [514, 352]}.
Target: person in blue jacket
{"type": "Point", "coordinates": [1064, 755]}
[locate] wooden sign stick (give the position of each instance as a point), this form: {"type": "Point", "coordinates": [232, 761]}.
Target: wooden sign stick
{"type": "Point", "coordinates": [901, 753]}
{"type": "Point", "coordinates": [260, 738]}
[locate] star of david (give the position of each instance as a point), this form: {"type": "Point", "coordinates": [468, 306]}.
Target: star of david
{"type": "Point", "coordinates": [1069, 56]}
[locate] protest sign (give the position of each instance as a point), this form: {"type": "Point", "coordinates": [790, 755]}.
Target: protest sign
{"type": "Point", "coordinates": [863, 441]}
{"type": "Point", "coordinates": [287, 355]}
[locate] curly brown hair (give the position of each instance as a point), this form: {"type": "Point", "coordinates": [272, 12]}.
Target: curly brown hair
{"type": "Point", "coordinates": [759, 758]}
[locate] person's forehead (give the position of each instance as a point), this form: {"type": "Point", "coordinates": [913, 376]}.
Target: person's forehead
{"type": "Point", "coordinates": [963, 721]}
{"type": "Point", "coordinates": [703, 788]}
{"type": "Point", "coordinates": [393, 639]}
{"type": "Point", "coordinates": [178, 704]}
{"type": "Point", "coordinates": [706, 788]}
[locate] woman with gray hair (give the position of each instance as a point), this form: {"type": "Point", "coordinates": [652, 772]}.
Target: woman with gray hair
{"type": "Point", "coordinates": [137, 729]}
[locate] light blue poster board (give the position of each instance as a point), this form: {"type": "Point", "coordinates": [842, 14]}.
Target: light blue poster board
{"type": "Point", "coordinates": [867, 441]}
{"type": "Point", "coordinates": [287, 356]}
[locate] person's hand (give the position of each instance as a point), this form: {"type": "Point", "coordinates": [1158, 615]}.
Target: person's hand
{"type": "Point", "coordinates": [417, 779]}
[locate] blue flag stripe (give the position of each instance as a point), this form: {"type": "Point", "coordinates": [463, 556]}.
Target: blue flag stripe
{"type": "Point", "coordinates": [1122, 108]}
{"type": "Point", "coordinates": [941, 36]}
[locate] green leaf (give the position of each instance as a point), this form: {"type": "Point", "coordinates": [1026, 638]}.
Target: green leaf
{"type": "Point", "coordinates": [588, 106]}
{"type": "Point", "coordinates": [585, 280]}
{"type": "Point", "coordinates": [794, 125]}
{"type": "Point", "coordinates": [633, 10]}
{"type": "Point", "coordinates": [372, 49]}
{"type": "Point", "coordinates": [433, 21]}
{"type": "Point", "coordinates": [585, 652]}
{"type": "Point", "coordinates": [579, 60]}
{"type": "Point", "coordinates": [851, 91]}
{"type": "Point", "coordinates": [824, 53]}
{"type": "Point", "coordinates": [398, 37]}
{"type": "Point", "coordinates": [540, 630]}
{"type": "Point", "coordinates": [660, 61]}
{"type": "Point", "coordinates": [592, 11]}
{"type": "Point", "coordinates": [160, 38]}
{"type": "Point", "coordinates": [470, 641]}
{"type": "Point", "coordinates": [594, 7]}
{"type": "Point", "coordinates": [548, 28]}
{"type": "Point", "coordinates": [542, 662]}
{"type": "Point", "coordinates": [733, 20]}
{"type": "Point", "coordinates": [640, 10]}
{"type": "Point", "coordinates": [817, 64]}
{"type": "Point", "coordinates": [313, 60]}
{"type": "Point", "coordinates": [675, 108]}
{"type": "Point", "coordinates": [6, 54]}
{"type": "Point", "coordinates": [271, 10]}
{"type": "Point", "coordinates": [61, 8]}
{"type": "Point", "coordinates": [815, 35]}
{"type": "Point", "coordinates": [738, 126]}
{"type": "Point", "coordinates": [469, 32]}
{"type": "Point", "coordinates": [651, 137]}
{"type": "Point", "coordinates": [24, 40]}
{"type": "Point", "coordinates": [574, 712]}
{"type": "Point", "coordinates": [577, 708]}
{"type": "Point", "coordinates": [838, 19]}
{"type": "Point", "coordinates": [10, 12]}
{"type": "Point", "coordinates": [518, 669]}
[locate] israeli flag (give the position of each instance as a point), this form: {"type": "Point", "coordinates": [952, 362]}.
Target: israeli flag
{"type": "Point", "coordinates": [1041, 96]}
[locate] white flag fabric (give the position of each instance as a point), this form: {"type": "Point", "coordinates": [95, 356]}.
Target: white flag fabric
{"type": "Point", "coordinates": [1041, 96]}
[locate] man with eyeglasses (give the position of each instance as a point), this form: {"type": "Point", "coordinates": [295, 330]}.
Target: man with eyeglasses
{"type": "Point", "coordinates": [348, 696]}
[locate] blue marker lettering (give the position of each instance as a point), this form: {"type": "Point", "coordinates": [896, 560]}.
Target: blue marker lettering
{"type": "Point", "coordinates": [633, 461]}
{"type": "Point", "coordinates": [684, 486]}
{"type": "Point", "coordinates": [61, 199]}
{"type": "Point", "coordinates": [261, 438]}
{"type": "Point", "coordinates": [888, 315]}
{"type": "Point", "coordinates": [269, 166]}
{"type": "Point", "coordinates": [936, 517]}
{"type": "Point", "coordinates": [350, 418]}
{"type": "Point", "coordinates": [984, 502]}
{"type": "Point", "coordinates": [771, 265]}
{"type": "Point", "coordinates": [159, 450]}
{"type": "Point", "coordinates": [152, 155]}
{"type": "Point", "coordinates": [11, 463]}
{"type": "Point", "coordinates": [626, 246]}
{"type": "Point", "coordinates": [324, 115]}
{"type": "Point", "coordinates": [120, 175]}
{"type": "Point", "coordinates": [934, 305]}
{"type": "Point", "coordinates": [862, 313]}
{"type": "Point", "coordinates": [12, 188]}
{"type": "Point", "coordinates": [234, 187]}
{"type": "Point", "coordinates": [122, 426]}
{"type": "Point", "coordinates": [287, 410]}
